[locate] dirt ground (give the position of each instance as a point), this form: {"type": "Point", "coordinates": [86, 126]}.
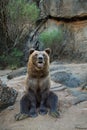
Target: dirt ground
{"type": "Point", "coordinates": [72, 117]}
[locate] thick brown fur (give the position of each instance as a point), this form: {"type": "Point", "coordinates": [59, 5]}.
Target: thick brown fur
{"type": "Point", "coordinates": [38, 75]}
{"type": "Point", "coordinates": [38, 87]}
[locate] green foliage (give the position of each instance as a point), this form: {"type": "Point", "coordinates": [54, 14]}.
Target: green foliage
{"type": "Point", "coordinates": [12, 60]}
{"type": "Point", "coordinates": [20, 14]}
{"type": "Point", "coordinates": [22, 10]}
{"type": "Point", "coordinates": [51, 36]}
{"type": "Point", "coordinates": [17, 53]}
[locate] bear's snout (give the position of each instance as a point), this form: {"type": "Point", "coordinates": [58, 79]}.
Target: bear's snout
{"type": "Point", "coordinates": [40, 58]}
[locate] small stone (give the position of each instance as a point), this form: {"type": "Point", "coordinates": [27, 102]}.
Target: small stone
{"type": "Point", "coordinates": [10, 108]}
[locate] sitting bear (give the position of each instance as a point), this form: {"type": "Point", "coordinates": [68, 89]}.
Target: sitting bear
{"type": "Point", "coordinates": [38, 94]}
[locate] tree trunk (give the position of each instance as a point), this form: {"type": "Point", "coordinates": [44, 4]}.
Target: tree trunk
{"type": "Point", "coordinates": [4, 38]}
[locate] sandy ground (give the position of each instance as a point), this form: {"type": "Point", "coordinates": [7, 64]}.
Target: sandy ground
{"type": "Point", "coordinates": [71, 117]}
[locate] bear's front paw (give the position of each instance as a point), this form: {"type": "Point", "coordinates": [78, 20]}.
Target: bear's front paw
{"type": "Point", "coordinates": [55, 114]}
{"type": "Point", "coordinates": [43, 111]}
{"type": "Point", "coordinates": [21, 116]}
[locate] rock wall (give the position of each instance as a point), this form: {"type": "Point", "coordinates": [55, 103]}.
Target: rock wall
{"type": "Point", "coordinates": [75, 37]}
{"type": "Point", "coordinates": [71, 17]}
{"type": "Point", "coordinates": [64, 8]}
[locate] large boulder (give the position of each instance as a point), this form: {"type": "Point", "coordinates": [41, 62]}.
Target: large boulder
{"type": "Point", "coordinates": [64, 8]}
{"type": "Point", "coordinates": [71, 75]}
{"type": "Point", "coordinates": [7, 95]}
{"type": "Point", "coordinates": [17, 72]}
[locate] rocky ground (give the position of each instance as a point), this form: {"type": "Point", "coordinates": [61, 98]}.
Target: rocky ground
{"type": "Point", "coordinates": [72, 102]}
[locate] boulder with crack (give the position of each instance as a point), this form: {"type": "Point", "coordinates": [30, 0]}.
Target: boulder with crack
{"type": "Point", "coordinates": [7, 95]}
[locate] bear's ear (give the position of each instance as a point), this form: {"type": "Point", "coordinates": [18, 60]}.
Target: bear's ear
{"type": "Point", "coordinates": [48, 51]}
{"type": "Point", "coordinates": [31, 51]}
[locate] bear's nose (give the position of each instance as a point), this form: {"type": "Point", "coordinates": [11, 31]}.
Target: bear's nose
{"type": "Point", "coordinates": [40, 57]}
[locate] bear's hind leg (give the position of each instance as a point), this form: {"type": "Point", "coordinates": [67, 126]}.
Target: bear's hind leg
{"type": "Point", "coordinates": [24, 105]}
{"type": "Point", "coordinates": [43, 109]}
{"type": "Point", "coordinates": [33, 103]}
{"type": "Point", "coordinates": [52, 103]}
{"type": "Point", "coordinates": [27, 106]}
{"type": "Point", "coordinates": [24, 108]}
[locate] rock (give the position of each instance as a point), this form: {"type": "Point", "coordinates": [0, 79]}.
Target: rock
{"type": "Point", "coordinates": [7, 95]}
{"type": "Point", "coordinates": [66, 78]}
{"type": "Point", "coordinates": [80, 98]}
{"type": "Point", "coordinates": [81, 126]}
{"type": "Point", "coordinates": [4, 72]}
{"type": "Point", "coordinates": [61, 88]}
{"type": "Point", "coordinates": [18, 72]}
{"type": "Point", "coordinates": [63, 8]}
{"type": "Point", "coordinates": [10, 108]}
{"type": "Point", "coordinates": [71, 75]}
{"type": "Point", "coordinates": [76, 93]}
{"type": "Point", "coordinates": [84, 86]}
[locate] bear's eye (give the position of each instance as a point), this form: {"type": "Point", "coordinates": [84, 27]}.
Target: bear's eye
{"type": "Point", "coordinates": [44, 55]}
{"type": "Point", "coordinates": [35, 55]}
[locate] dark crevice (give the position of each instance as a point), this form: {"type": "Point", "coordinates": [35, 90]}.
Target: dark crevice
{"type": "Point", "coordinates": [71, 19]}
{"type": "Point", "coordinates": [62, 19]}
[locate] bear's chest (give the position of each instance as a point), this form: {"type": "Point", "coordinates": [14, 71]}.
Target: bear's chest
{"type": "Point", "coordinates": [39, 84]}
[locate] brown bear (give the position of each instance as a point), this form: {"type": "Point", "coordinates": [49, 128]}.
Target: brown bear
{"type": "Point", "coordinates": [38, 94]}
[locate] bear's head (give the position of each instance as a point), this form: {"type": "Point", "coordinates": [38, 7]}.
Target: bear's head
{"type": "Point", "coordinates": [39, 59]}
